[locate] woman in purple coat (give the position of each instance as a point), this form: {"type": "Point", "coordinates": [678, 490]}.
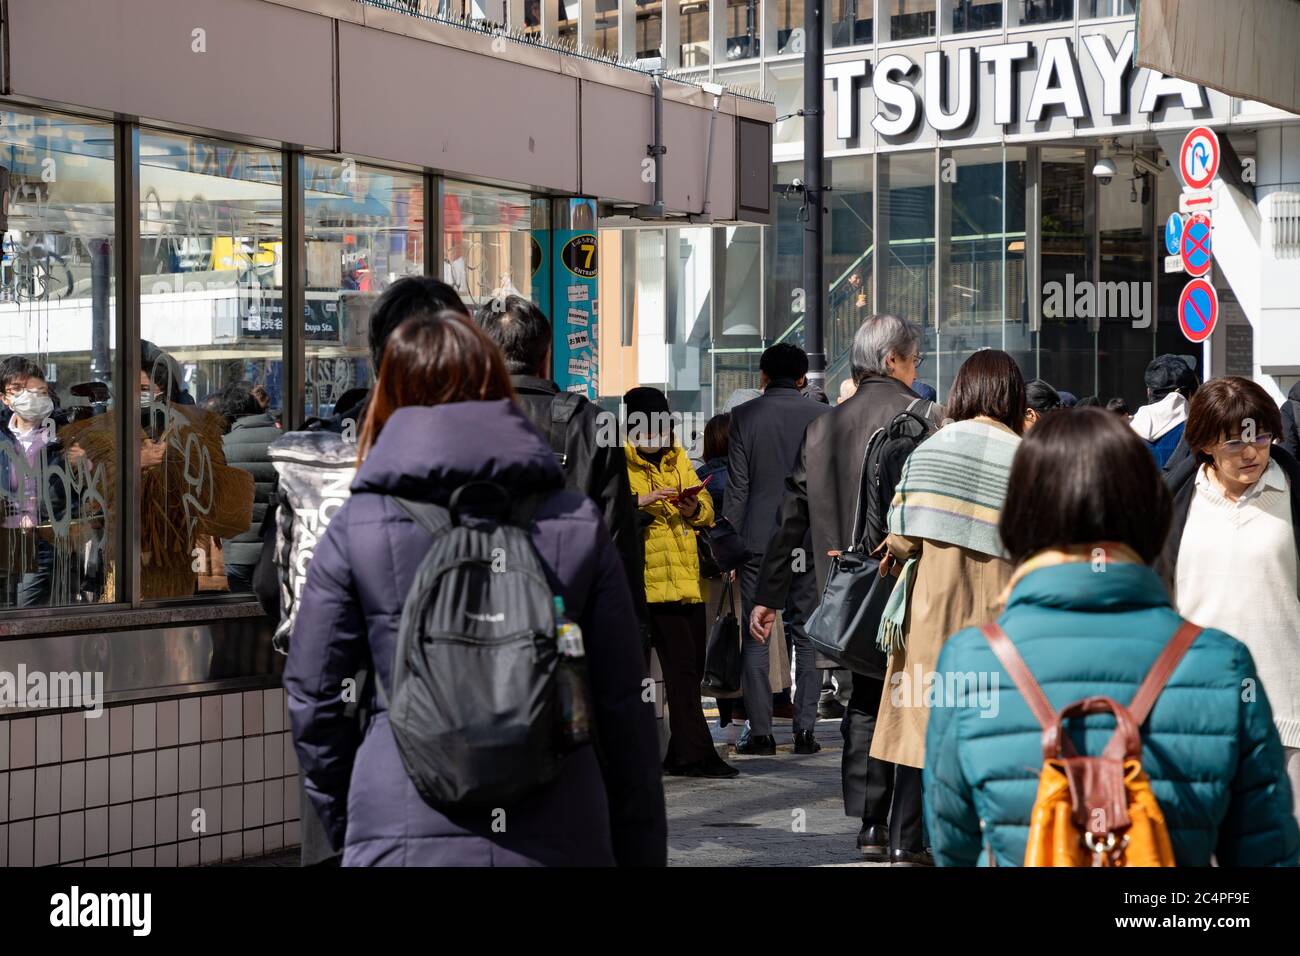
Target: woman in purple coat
{"type": "Point", "coordinates": [442, 415]}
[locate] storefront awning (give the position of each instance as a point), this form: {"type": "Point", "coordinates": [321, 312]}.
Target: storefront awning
{"type": "Point", "coordinates": [1248, 51]}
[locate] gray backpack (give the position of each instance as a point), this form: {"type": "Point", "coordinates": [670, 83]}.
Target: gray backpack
{"type": "Point", "coordinates": [473, 702]}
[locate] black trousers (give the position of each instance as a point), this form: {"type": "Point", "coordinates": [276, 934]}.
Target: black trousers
{"type": "Point", "coordinates": [906, 820]}
{"type": "Point", "coordinates": [868, 784]}
{"type": "Point", "coordinates": [678, 634]}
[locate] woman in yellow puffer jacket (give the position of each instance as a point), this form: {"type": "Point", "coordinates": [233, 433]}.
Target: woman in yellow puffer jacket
{"type": "Point", "coordinates": [672, 507]}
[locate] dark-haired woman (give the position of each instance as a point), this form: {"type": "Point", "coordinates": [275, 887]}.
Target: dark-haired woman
{"type": "Point", "coordinates": [1085, 516]}
{"type": "Point", "coordinates": [1040, 398]}
{"type": "Point", "coordinates": [943, 531]}
{"type": "Point", "coordinates": [442, 416]}
{"type": "Point", "coordinates": [1234, 549]}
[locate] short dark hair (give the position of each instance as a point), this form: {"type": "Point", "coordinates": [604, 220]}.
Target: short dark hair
{"type": "Point", "coordinates": [989, 383]}
{"type": "Point", "coordinates": [520, 329]}
{"type": "Point", "coordinates": [717, 436]}
{"type": "Point", "coordinates": [785, 360]}
{"type": "Point", "coordinates": [1084, 477]}
{"type": "Point", "coordinates": [408, 296]}
{"type": "Point", "coordinates": [1117, 405]}
{"type": "Point", "coordinates": [237, 401]}
{"type": "Point", "coordinates": [17, 367]}
{"type": "Point", "coordinates": [1040, 396]}
{"type": "Point", "coordinates": [1222, 407]}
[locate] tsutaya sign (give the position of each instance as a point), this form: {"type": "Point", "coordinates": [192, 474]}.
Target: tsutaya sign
{"type": "Point", "coordinates": [949, 84]}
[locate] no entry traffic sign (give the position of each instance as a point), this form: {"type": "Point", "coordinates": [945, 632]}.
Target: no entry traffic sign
{"type": "Point", "coordinates": [1195, 246]}
{"type": "Point", "coordinates": [1199, 157]}
{"type": "Point", "coordinates": [1198, 310]}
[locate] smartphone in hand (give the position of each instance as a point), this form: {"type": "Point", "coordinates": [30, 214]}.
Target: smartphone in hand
{"type": "Point", "coordinates": [694, 490]}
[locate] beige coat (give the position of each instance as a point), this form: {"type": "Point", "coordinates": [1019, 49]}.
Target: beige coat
{"type": "Point", "coordinates": [953, 588]}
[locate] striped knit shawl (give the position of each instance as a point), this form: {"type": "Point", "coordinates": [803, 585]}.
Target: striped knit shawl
{"type": "Point", "coordinates": [953, 486]}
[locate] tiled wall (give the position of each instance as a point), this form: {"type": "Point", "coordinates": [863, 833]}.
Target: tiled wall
{"type": "Point", "coordinates": [121, 789]}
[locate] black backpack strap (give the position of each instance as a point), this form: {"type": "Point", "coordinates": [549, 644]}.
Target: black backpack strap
{"type": "Point", "coordinates": [432, 518]}
{"type": "Point", "coordinates": [563, 407]}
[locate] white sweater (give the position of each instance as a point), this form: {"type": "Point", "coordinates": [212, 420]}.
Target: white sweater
{"type": "Point", "coordinates": [1237, 572]}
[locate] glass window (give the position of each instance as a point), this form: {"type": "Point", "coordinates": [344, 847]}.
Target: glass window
{"type": "Point", "coordinates": [967, 16]}
{"type": "Point", "coordinates": [1030, 12]}
{"type": "Point", "coordinates": [649, 29]}
{"type": "Point", "coordinates": [212, 325]}
{"type": "Point", "coordinates": [744, 29]}
{"type": "Point", "coordinates": [364, 230]}
{"type": "Point", "coordinates": [487, 241]}
{"type": "Point", "coordinates": [850, 254]}
{"type": "Point", "coordinates": [786, 305]}
{"type": "Point", "coordinates": [58, 450]}
{"type": "Point", "coordinates": [1067, 346]}
{"type": "Point", "coordinates": [1125, 289]}
{"type": "Point", "coordinates": [851, 22]}
{"type": "Point", "coordinates": [906, 197]}
{"type": "Point", "coordinates": [687, 332]}
{"type": "Point", "coordinates": [908, 19]}
{"type": "Point", "coordinates": [789, 19]}
{"type": "Point", "coordinates": [607, 26]}
{"type": "Point", "coordinates": [1093, 9]}
{"type": "Point", "coordinates": [568, 22]}
{"type": "Point", "coordinates": [694, 28]}
{"type": "Point", "coordinates": [533, 17]}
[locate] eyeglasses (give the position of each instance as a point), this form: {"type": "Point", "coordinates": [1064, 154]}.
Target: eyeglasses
{"type": "Point", "coordinates": [1236, 446]}
{"type": "Point", "coordinates": [918, 360]}
{"type": "Point", "coordinates": [13, 391]}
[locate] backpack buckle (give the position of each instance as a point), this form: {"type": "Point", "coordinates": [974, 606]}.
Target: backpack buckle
{"type": "Point", "coordinates": [1105, 851]}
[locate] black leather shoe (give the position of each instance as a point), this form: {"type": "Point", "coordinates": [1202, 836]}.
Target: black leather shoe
{"type": "Point", "coordinates": [910, 858]}
{"type": "Point", "coordinates": [830, 709]}
{"type": "Point", "coordinates": [805, 742]}
{"type": "Point", "coordinates": [756, 745]}
{"type": "Point", "coordinates": [716, 768]}
{"type": "Point", "coordinates": [873, 841]}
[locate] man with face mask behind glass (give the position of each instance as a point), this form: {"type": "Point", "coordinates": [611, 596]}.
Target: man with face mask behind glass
{"type": "Point", "coordinates": [27, 444]}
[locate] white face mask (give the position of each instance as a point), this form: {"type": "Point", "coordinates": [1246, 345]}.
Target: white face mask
{"type": "Point", "coordinates": [31, 406]}
{"type": "Point", "coordinates": [146, 397]}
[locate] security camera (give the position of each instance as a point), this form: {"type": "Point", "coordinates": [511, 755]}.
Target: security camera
{"type": "Point", "coordinates": [1104, 171]}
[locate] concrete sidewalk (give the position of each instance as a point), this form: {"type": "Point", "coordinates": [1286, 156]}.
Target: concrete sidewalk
{"type": "Point", "coordinates": [781, 811]}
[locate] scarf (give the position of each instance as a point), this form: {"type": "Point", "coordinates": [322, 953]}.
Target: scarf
{"type": "Point", "coordinates": [951, 491]}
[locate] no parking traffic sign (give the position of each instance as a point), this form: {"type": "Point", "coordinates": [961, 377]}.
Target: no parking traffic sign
{"type": "Point", "coordinates": [1199, 158]}
{"type": "Point", "coordinates": [1198, 310]}
{"type": "Point", "coordinates": [1195, 246]}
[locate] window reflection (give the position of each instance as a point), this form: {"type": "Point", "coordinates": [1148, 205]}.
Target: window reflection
{"type": "Point", "coordinates": [743, 29]}
{"type": "Point", "coordinates": [364, 230]}
{"type": "Point", "coordinates": [694, 27]}
{"type": "Point", "coordinates": [211, 382]}
{"type": "Point", "coordinates": [487, 242]}
{"type": "Point", "coordinates": [58, 446]}
{"type": "Point", "coordinates": [851, 22]}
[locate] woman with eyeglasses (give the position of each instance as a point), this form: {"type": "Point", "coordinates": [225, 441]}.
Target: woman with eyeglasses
{"type": "Point", "coordinates": [1233, 553]}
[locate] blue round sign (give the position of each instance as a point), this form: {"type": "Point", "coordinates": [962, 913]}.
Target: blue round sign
{"type": "Point", "coordinates": [1196, 245]}
{"type": "Point", "coordinates": [1173, 233]}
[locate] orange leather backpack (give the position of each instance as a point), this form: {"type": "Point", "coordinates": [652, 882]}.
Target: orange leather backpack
{"type": "Point", "coordinates": [1095, 811]}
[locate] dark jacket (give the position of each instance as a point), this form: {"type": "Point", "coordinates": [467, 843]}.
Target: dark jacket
{"type": "Point", "coordinates": [53, 504]}
{"type": "Point", "coordinates": [1290, 435]}
{"type": "Point", "coordinates": [1181, 482]}
{"type": "Point", "coordinates": [349, 616]}
{"type": "Point", "coordinates": [597, 471]}
{"type": "Point", "coordinates": [716, 469]}
{"type": "Point", "coordinates": [822, 490]}
{"type": "Point", "coordinates": [1211, 752]}
{"type": "Point", "coordinates": [246, 447]}
{"type": "Point", "coordinates": [765, 437]}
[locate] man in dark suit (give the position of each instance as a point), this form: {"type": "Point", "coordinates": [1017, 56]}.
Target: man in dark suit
{"type": "Point", "coordinates": [821, 496]}
{"type": "Point", "coordinates": [765, 437]}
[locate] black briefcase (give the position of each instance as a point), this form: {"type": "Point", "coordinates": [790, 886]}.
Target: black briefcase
{"type": "Point", "coordinates": [844, 626]}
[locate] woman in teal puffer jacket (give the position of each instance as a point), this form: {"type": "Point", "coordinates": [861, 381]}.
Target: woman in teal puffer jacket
{"type": "Point", "coordinates": [1086, 514]}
